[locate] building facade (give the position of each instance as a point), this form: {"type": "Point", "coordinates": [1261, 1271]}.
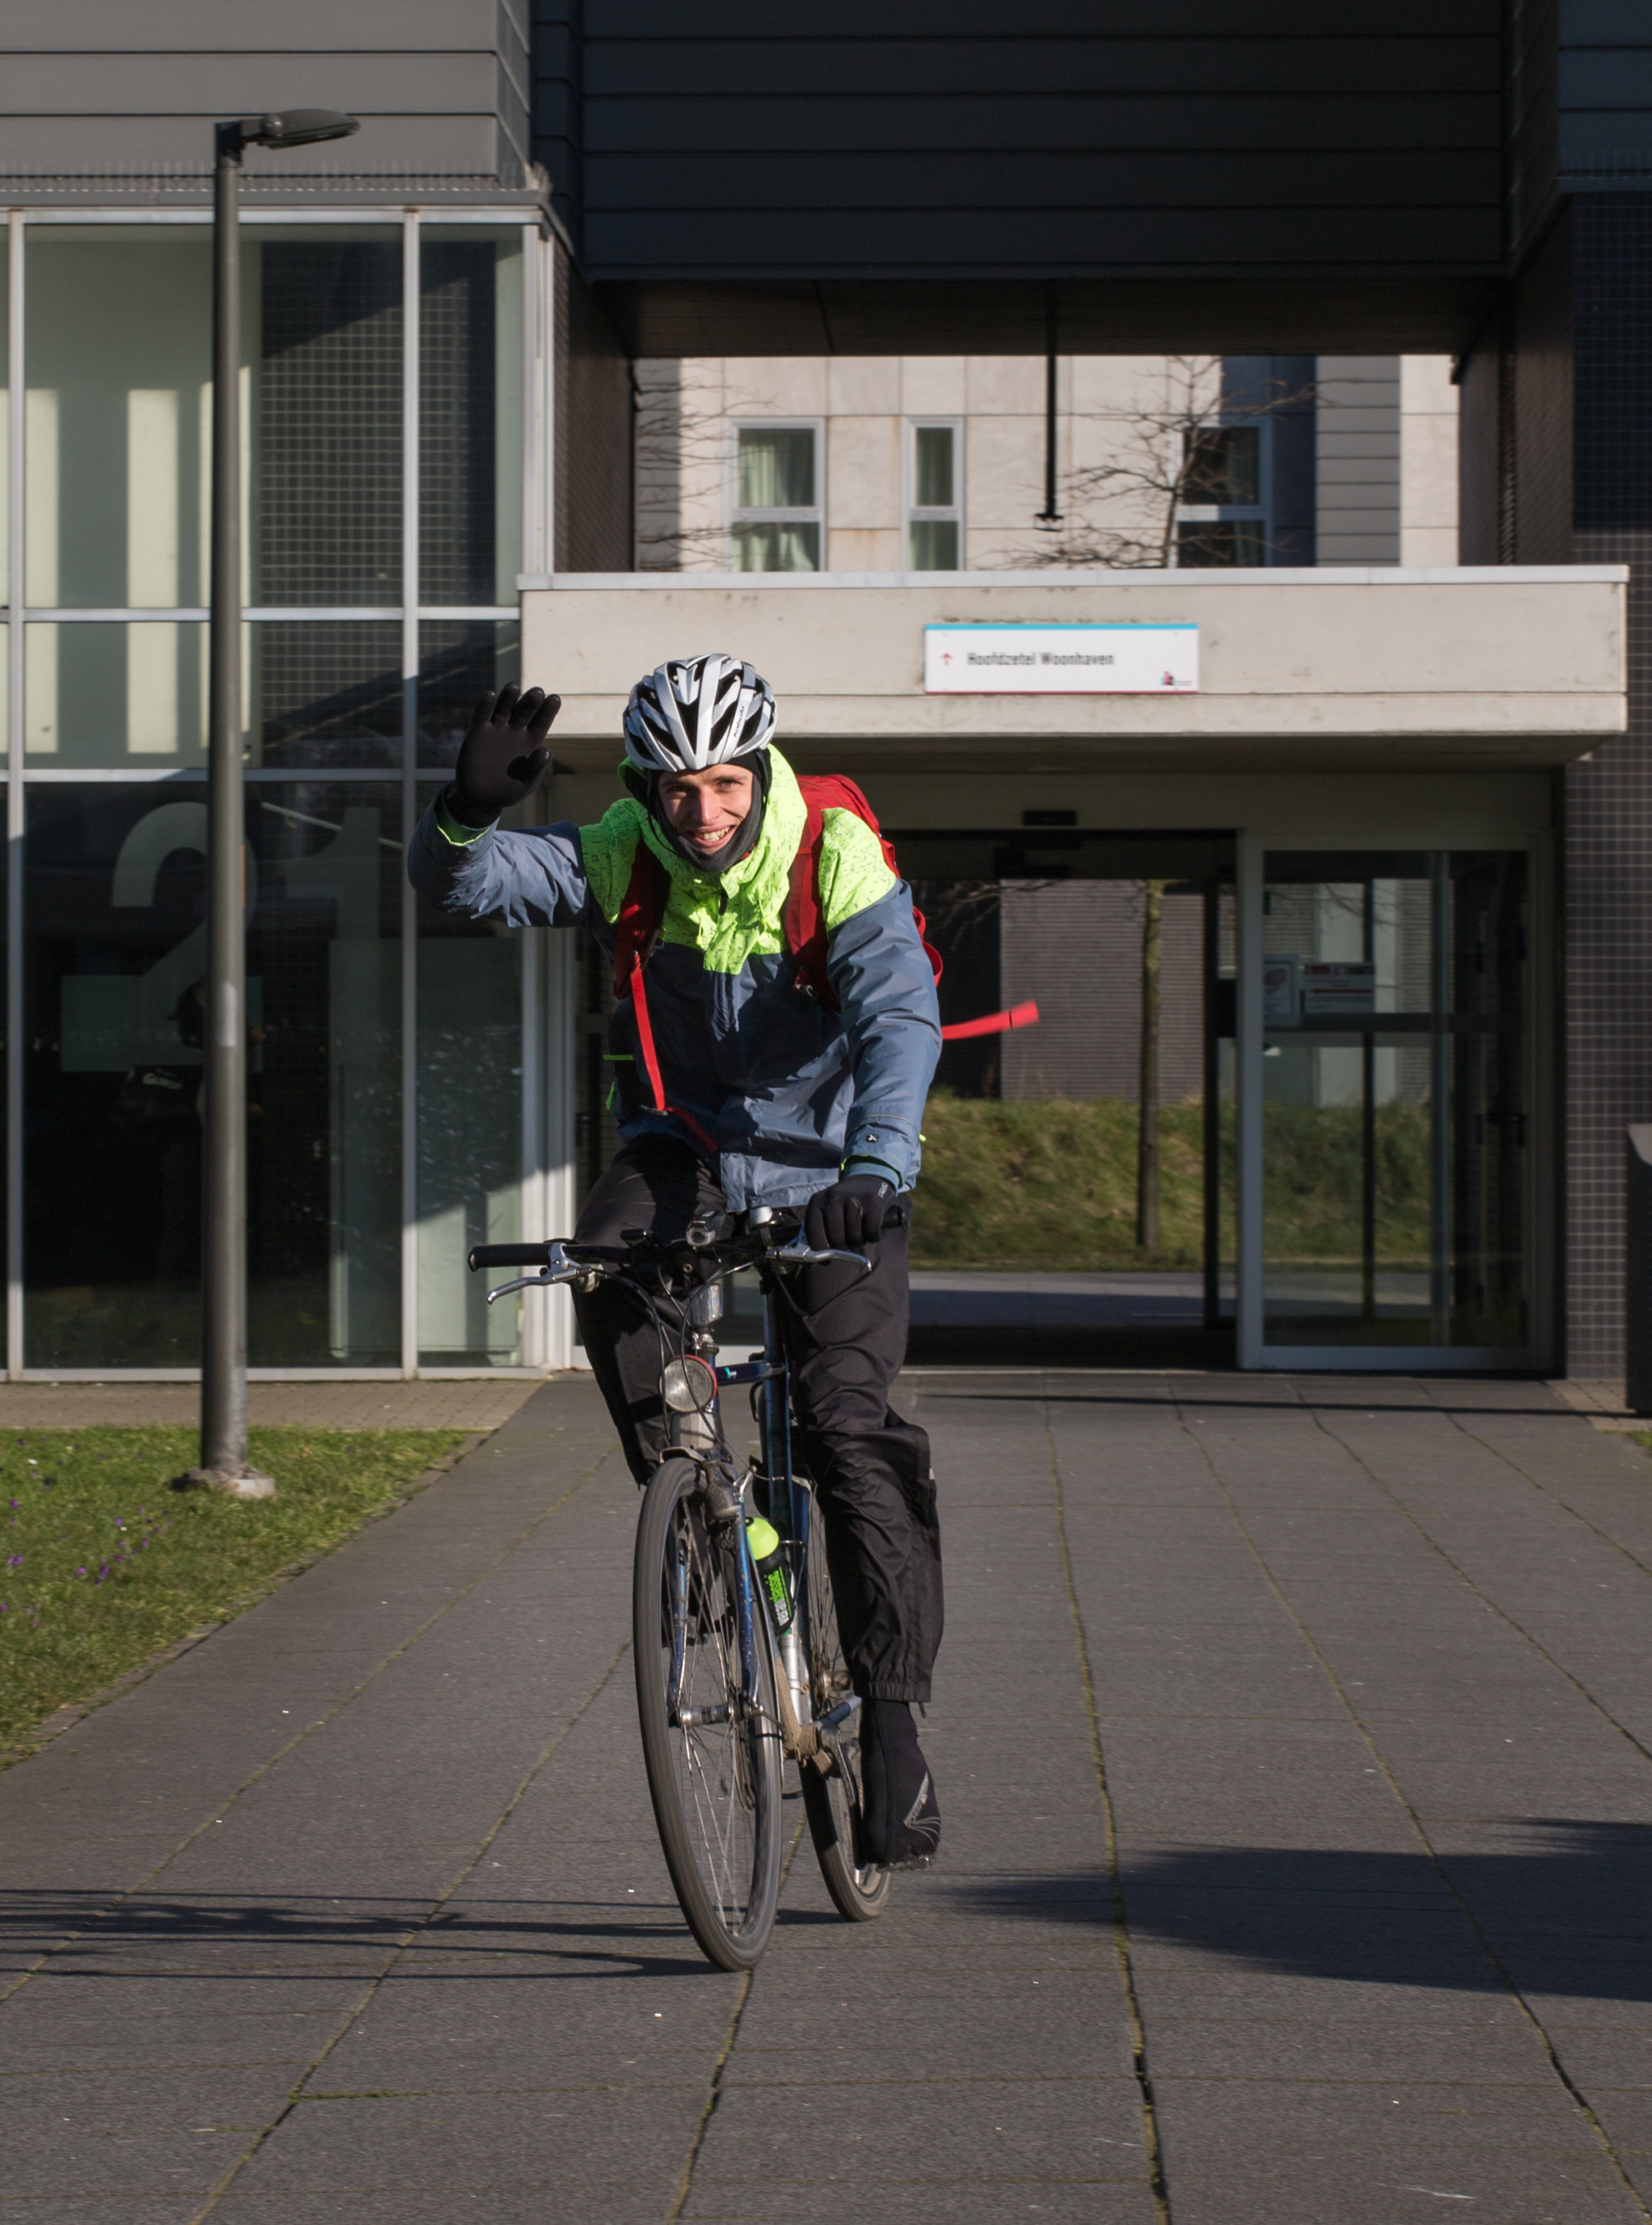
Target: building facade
{"type": "Point", "coordinates": [939, 462]}
{"type": "Point", "coordinates": [615, 307]}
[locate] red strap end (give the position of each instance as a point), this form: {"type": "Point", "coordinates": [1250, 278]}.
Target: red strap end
{"type": "Point", "coordinates": [995, 1023]}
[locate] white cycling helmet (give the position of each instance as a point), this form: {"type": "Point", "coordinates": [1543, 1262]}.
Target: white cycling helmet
{"type": "Point", "coordinates": [696, 711]}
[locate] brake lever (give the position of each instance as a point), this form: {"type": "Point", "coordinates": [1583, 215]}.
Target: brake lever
{"type": "Point", "coordinates": [558, 1268]}
{"type": "Point", "coordinates": [798, 1254]}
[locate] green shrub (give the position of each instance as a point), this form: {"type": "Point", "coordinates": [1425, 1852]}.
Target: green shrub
{"type": "Point", "coordinates": [1050, 1184]}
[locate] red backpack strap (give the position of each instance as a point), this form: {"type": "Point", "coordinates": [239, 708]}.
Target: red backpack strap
{"type": "Point", "coordinates": [804, 925]}
{"type": "Point", "coordinates": [634, 935]}
{"type": "Point", "coordinates": [641, 909]}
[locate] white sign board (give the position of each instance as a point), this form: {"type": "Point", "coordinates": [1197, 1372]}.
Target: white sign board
{"type": "Point", "coordinates": [1061, 660]}
{"type": "Point", "coordinates": [1334, 985]}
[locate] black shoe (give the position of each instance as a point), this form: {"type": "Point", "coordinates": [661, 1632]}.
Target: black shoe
{"type": "Point", "coordinates": [901, 1823]}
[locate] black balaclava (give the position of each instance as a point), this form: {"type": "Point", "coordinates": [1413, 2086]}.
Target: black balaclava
{"type": "Point", "coordinates": [646, 787]}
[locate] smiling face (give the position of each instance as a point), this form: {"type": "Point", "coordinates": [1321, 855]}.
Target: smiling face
{"type": "Point", "coordinates": [705, 809]}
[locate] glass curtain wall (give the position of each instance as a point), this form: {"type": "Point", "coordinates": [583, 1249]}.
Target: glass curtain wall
{"type": "Point", "coordinates": [383, 451]}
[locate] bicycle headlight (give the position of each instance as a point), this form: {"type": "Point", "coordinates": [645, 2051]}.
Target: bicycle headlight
{"type": "Point", "coordinates": [689, 1386]}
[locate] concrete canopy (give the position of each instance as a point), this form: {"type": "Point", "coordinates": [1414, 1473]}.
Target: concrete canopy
{"type": "Point", "coordinates": [1330, 671]}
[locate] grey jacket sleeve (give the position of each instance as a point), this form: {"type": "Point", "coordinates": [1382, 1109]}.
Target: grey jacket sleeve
{"type": "Point", "coordinates": [534, 878]}
{"type": "Point", "coordinates": [885, 987]}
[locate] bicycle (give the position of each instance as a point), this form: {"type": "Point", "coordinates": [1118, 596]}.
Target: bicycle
{"type": "Point", "coordinates": [740, 1667]}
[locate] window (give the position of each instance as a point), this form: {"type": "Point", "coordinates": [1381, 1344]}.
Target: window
{"type": "Point", "coordinates": [386, 486]}
{"type": "Point", "coordinates": [935, 510]}
{"type": "Point", "coordinates": [1220, 519]}
{"type": "Point", "coordinates": [777, 498]}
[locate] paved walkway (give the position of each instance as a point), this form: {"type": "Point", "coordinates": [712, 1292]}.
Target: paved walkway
{"type": "Point", "coordinates": [1295, 1749]}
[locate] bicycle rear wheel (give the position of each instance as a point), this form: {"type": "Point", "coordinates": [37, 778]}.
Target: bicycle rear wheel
{"type": "Point", "coordinates": [832, 1803]}
{"type": "Point", "coordinates": [713, 1764]}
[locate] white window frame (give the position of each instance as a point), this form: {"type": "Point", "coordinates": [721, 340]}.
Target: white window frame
{"type": "Point", "coordinates": [911, 511]}
{"type": "Point", "coordinates": [814, 514]}
{"type": "Point", "coordinates": [1233, 513]}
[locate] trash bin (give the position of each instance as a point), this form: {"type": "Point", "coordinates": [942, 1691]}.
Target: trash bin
{"type": "Point", "coordinates": [1637, 1268]}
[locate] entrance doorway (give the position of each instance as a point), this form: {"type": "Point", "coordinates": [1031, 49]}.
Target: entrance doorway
{"type": "Point", "coordinates": [1389, 1107]}
{"type": "Point", "coordinates": [1078, 1203]}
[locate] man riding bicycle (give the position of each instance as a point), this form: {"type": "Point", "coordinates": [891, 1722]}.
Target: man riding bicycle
{"type": "Point", "coordinates": [766, 1098]}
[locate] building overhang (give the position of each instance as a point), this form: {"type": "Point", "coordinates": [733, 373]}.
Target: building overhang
{"type": "Point", "coordinates": [1514, 668]}
{"type": "Point", "coordinates": [1328, 309]}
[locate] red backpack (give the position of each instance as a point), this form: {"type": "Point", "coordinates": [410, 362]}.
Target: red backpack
{"type": "Point", "coordinates": [804, 926]}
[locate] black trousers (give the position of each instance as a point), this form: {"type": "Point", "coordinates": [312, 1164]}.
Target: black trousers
{"type": "Point", "coordinates": [845, 1338]}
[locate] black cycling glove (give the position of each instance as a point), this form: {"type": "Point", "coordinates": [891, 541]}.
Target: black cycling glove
{"type": "Point", "coordinates": [503, 756]}
{"type": "Point", "coordinates": [848, 1216]}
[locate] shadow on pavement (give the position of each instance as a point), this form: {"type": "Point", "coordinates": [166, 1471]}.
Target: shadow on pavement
{"type": "Point", "coordinates": [1571, 1913]}
{"type": "Point", "coordinates": [33, 1924]}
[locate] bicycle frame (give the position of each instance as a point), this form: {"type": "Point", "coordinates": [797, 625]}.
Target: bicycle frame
{"type": "Point", "coordinates": [698, 1431]}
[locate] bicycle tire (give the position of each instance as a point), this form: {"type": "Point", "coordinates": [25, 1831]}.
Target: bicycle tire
{"type": "Point", "coordinates": [715, 1786]}
{"type": "Point", "coordinates": [832, 1803]}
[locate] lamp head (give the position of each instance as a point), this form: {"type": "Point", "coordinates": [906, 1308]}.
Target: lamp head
{"type": "Point", "coordinates": [297, 127]}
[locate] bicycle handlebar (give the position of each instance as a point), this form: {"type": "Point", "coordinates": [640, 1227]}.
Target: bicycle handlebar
{"type": "Point", "coordinates": [539, 1255]}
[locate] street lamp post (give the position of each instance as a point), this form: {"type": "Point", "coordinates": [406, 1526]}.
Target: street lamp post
{"type": "Point", "coordinates": [225, 1465]}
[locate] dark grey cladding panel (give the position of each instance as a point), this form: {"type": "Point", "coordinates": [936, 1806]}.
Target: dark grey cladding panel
{"type": "Point", "coordinates": [558, 105]}
{"type": "Point", "coordinates": [897, 138]}
{"type": "Point", "coordinates": [188, 27]}
{"type": "Point", "coordinates": [1024, 63]}
{"type": "Point", "coordinates": [1057, 185]}
{"type": "Point", "coordinates": [876, 22]}
{"type": "Point", "coordinates": [1179, 125]}
{"type": "Point", "coordinates": [110, 86]}
{"type": "Point", "coordinates": [1581, 105]}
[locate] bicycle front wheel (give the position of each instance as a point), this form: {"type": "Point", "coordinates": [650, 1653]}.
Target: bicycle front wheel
{"type": "Point", "coordinates": [832, 1801]}
{"type": "Point", "coordinates": [713, 1759]}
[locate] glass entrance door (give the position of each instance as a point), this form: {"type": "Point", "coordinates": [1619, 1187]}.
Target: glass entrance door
{"type": "Point", "coordinates": [1388, 1142]}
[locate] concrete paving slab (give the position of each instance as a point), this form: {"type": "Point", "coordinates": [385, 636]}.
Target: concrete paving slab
{"type": "Point", "coordinates": [72, 2209]}
{"type": "Point", "coordinates": [1086, 2202]}
{"type": "Point", "coordinates": [991, 2132]}
{"type": "Point", "coordinates": [1377, 2152]}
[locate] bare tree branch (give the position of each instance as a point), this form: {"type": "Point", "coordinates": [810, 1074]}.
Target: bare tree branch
{"type": "Point", "coordinates": [1122, 512]}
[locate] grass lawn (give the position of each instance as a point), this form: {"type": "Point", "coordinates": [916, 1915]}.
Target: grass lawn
{"type": "Point", "coordinates": [105, 1563]}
